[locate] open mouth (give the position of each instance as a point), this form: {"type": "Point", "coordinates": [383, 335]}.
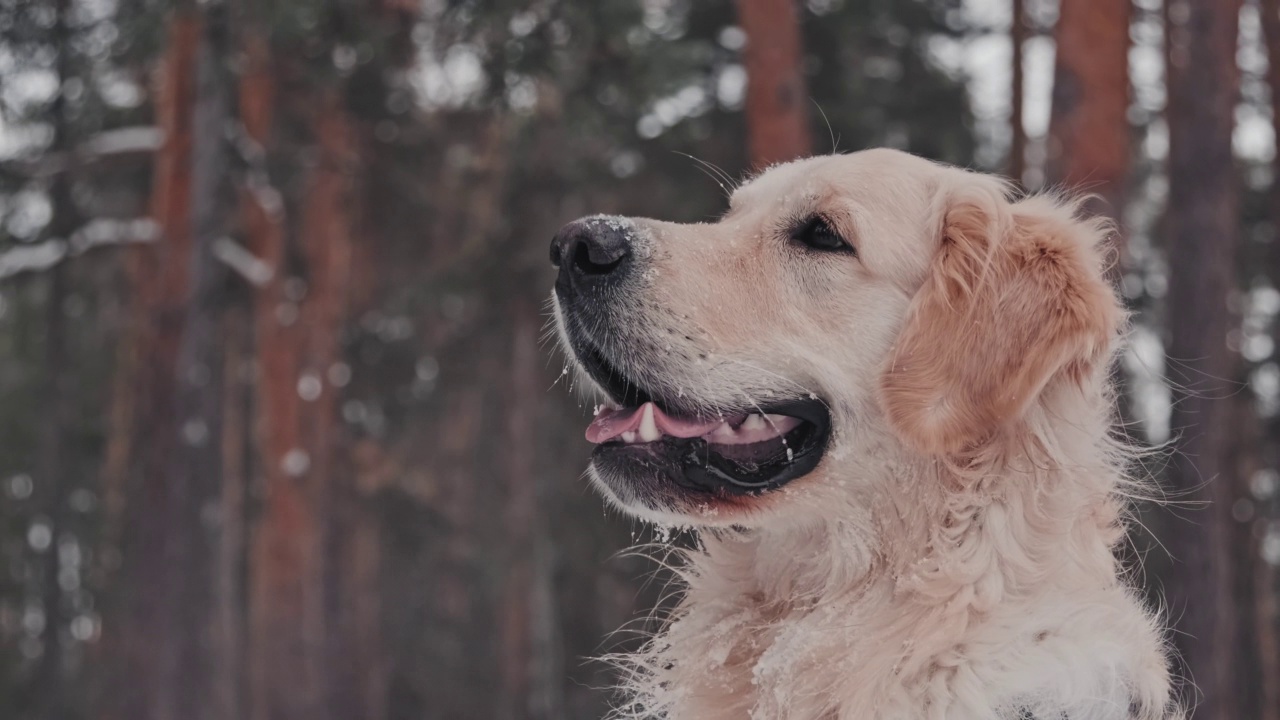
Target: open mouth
{"type": "Point", "coordinates": [732, 451]}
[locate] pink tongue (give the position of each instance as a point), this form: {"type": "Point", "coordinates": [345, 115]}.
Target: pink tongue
{"type": "Point", "coordinates": [611, 423]}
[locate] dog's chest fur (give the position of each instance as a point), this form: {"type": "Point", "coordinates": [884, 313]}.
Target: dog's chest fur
{"type": "Point", "coordinates": [887, 645]}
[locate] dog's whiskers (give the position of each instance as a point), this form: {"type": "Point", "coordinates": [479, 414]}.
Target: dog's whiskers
{"type": "Point", "coordinates": [715, 172]}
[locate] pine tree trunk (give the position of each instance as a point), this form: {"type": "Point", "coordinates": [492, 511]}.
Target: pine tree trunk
{"type": "Point", "coordinates": [193, 478]}
{"type": "Point", "coordinates": [1266, 591]}
{"type": "Point", "coordinates": [299, 315]}
{"type": "Point", "coordinates": [135, 470]}
{"type": "Point", "coordinates": [285, 600]}
{"type": "Point", "coordinates": [521, 688]}
{"type": "Point", "coordinates": [1203, 222]}
{"type": "Point", "coordinates": [777, 103]}
{"type": "Point", "coordinates": [1017, 102]}
{"type": "Point", "coordinates": [228, 640]}
{"type": "Point", "coordinates": [48, 683]}
{"type": "Point", "coordinates": [1089, 144]}
{"type": "Point", "coordinates": [1266, 613]}
{"type": "Point", "coordinates": [1244, 459]}
{"type": "Point", "coordinates": [327, 219]}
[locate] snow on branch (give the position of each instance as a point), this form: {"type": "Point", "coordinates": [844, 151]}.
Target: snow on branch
{"type": "Point", "coordinates": [108, 144]}
{"type": "Point", "coordinates": [105, 231]}
{"type": "Point", "coordinates": [35, 257]}
{"type": "Point", "coordinates": [123, 141]}
{"type": "Point", "coordinates": [235, 256]}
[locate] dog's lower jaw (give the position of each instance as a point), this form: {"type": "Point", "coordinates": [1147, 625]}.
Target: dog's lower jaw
{"type": "Point", "coordinates": [816, 623]}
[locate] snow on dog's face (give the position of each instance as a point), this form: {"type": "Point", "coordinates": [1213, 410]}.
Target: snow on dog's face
{"type": "Point", "coordinates": [843, 303]}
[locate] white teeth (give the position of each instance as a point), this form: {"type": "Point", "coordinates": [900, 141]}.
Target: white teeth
{"type": "Point", "coordinates": [754, 422]}
{"type": "Point", "coordinates": [648, 428]}
{"type": "Point", "coordinates": [722, 432]}
{"type": "Point", "coordinates": [629, 436]}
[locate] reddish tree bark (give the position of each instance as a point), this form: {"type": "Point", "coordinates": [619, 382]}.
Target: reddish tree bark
{"type": "Point", "coordinates": [1203, 236]}
{"type": "Point", "coordinates": [324, 233]}
{"type": "Point", "coordinates": [777, 104]}
{"type": "Point", "coordinates": [299, 314]}
{"type": "Point", "coordinates": [285, 584]}
{"type": "Point", "coordinates": [1089, 138]}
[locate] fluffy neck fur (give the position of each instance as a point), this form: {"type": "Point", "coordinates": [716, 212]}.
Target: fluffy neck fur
{"type": "Point", "coordinates": [981, 590]}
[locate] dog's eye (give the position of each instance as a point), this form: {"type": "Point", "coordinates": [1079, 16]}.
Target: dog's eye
{"type": "Point", "coordinates": [817, 233]}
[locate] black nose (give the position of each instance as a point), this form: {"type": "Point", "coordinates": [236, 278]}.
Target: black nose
{"type": "Point", "coordinates": [590, 252]}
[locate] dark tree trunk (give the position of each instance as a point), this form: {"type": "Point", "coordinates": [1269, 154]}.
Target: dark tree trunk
{"type": "Point", "coordinates": [228, 641]}
{"type": "Point", "coordinates": [526, 691]}
{"type": "Point", "coordinates": [1270, 15]}
{"type": "Point", "coordinates": [49, 680]}
{"type": "Point", "coordinates": [47, 685]}
{"type": "Point", "coordinates": [1256, 652]}
{"type": "Point", "coordinates": [1266, 591]}
{"type": "Point", "coordinates": [1266, 615]}
{"type": "Point", "coordinates": [777, 103]}
{"type": "Point", "coordinates": [1017, 102]}
{"type": "Point", "coordinates": [1203, 223]}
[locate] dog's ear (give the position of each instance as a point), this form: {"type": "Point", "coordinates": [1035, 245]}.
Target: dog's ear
{"type": "Point", "coordinates": [1014, 298]}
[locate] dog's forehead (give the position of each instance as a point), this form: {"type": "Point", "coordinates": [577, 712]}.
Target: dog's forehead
{"type": "Point", "coordinates": [868, 172]}
{"type": "Point", "coordinates": [798, 177]}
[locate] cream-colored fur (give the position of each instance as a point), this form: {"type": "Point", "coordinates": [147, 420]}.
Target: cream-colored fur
{"type": "Point", "coordinates": [952, 555]}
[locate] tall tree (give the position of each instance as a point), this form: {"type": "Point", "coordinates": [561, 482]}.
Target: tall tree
{"type": "Point", "coordinates": [777, 103]}
{"type": "Point", "coordinates": [159, 283]}
{"type": "Point", "coordinates": [1089, 144]}
{"type": "Point", "coordinates": [1203, 236]}
{"type": "Point", "coordinates": [184, 667]}
{"type": "Point", "coordinates": [299, 312]}
{"type": "Point", "coordinates": [1266, 591]}
{"type": "Point", "coordinates": [1017, 102]}
{"type": "Point", "coordinates": [49, 686]}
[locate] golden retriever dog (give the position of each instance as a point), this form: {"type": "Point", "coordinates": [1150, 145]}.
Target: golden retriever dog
{"type": "Point", "coordinates": [877, 389]}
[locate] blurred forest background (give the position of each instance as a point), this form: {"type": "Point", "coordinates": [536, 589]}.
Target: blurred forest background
{"type": "Point", "coordinates": [277, 436]}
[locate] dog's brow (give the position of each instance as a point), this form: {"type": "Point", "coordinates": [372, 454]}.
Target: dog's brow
{"type": "Point", "coordinates": [736, 197]}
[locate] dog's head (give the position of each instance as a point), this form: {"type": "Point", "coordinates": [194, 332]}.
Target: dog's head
{"type": "Point", "coordinates": [843, 304]}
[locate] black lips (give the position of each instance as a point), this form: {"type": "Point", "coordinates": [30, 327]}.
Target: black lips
{"type": "Point", "coordinates": [706, 468]}
{"type": "Point", "coordinates": [695, 464]}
